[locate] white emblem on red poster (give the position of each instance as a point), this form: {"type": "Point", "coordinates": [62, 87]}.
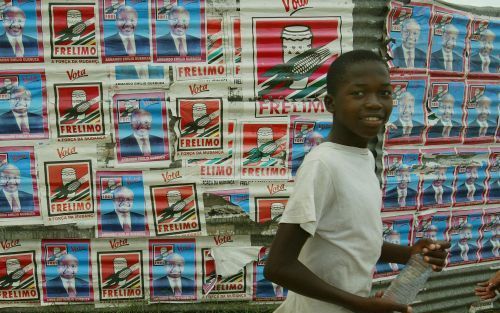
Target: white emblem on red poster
{"type": "Point", "coordinates": [79, 111]}
{"type": "Point", "coordinates": [264, 150]}
{"type": "Point", "coordinates": [200, 126]}
{"type": "Point", "coordinates": [176, 209]}
{"type": "Point", "coordinates": [18, 275]}
{"type": "Point", "coordinates": [295, 65]}
{"type": "Point", "coordinates": [73, 31]}
{"type": "Point", "coordinates": [69, 188]}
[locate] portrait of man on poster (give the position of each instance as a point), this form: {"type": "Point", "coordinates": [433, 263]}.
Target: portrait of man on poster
{"type": "Point", "coordinates": [141, 142]}
{"type": "Point", "coordinates": [14, 43]}
{"type": "Point", "coordinates": [67, 284]}
{"type": "Point", "coordinates": [178, 42]}
{"type": "Point", "coordinates": [174, 283]}
{"type": "Point", "coordinates": [19, 120]}
{"type": "Point", "coordinates": [123, 218]}
{"type": "Point", "coordinates": [407, 54]}
{"type": "Point", "coordinates": [12, 199]}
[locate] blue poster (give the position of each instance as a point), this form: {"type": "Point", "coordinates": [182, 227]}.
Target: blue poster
{"type": "Point", "coordinates": [448, 40]}
{"type": "Point", "coordinates": [484, 47]}
{"type": "Point", "coordinates": [125, 28]}
{"type": "Point", "coordinates": [23, 111]}
{"type": "Point", "coordinates": [490, 242]}
{"type": "Point", "coordinates": [432, 226]}
{"type": "Point", "coordinates": [305, 135]}
{"type": "Point", "coordinates": [401, 181]}
{"type": "Point", "coordinates": [21, 36]}
{"type": "Point", "coordinates": [445, 112]}
{"type": "Point", "coordinates": [481, 121]}
{"type": "Point", "coordinates": [494, 177]}
{"type": "Point", "coordinates": [407, 120]}
{"type": "Point", "coordinates": [470, 180]}
{"type": "Point", "coordinates": [437, 187]}
{"type": "Point", "coordinates": [409, 27]}
{"type": "Point", "coordinates": [397, 230]}
{"type": "Point", "coordinates": [66, 271]}
{"type": "Point", "coordinates": [121, 204]}
{"type": "Point", "coordinates": [179, 30]}
{"type": "Point", "coordinates": [237, 203]}
{"type": "Point", "coordinates": [139, 72]}
{"type": "Point", "coordinates": [18, 188]}
{"type": "Point", "coordinates": [464, 235]}
{"type": "Point", "coordinates": [173, 269]}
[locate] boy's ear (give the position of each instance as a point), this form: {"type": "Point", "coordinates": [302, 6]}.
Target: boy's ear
{"type": "Point", "coordinates": [330, 103]}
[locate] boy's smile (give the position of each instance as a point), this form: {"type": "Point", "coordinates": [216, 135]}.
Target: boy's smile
{"type": "Point", "coordinates": [362, 104]}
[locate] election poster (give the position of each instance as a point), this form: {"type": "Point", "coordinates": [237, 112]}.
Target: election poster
{"type": "Point", "coordinates": [408, 25]}
{"type": "Point", "coordinates": [481, 116]}
{"type": "Point", "coordinates": [268, 201]}
{"type": "Point", "coordinates": [490, 235]}
{"type": "Point", "coordinates": [445, 111]}
{"type": "Point", "coordinates": [202, 128]}
{"type": "Point", "coordinates": [431, 225]}
{"type": "Point", "coordinates": [179, 31]}
{"type": "Point", "coordinates": [465, 237]}
{"type": "Point", "coordinates": [173, 270]}
{"type": "Point", "coordinates": [267, 108]}
{"type": "Point", "coordinates": [263, 289]}
{"type": "Point", "coordinates": [21, 37]}
{"type": "Point", "coordinates": [120, 270]}
{"type": "Point", "coordinates": [470, 176]}
{"type": "Point", "coordinates": [175, 200]}
{"type": "Point", "coordinates": [19, 283]}
{"type": "Point", "coordinates": [215, 286]}
{"type": "Point", "coordinates": [23, 105]}
{"type": "Point", "coordinates": [493, 195]}
{"type": "Point", "coordinates": [449, 30]}
{"type": "Point", "coordinates": [227, 204]}
{"type": "Point", "coordinates": [125, 31]}
{"type": "Point", "coordinates": [141, 128]}
{"type": "Point", "coordinates": [66, 174]}
{"type": "Point", "coordinates": [295, 65]}
{"type": "Point", "coordinates": [121, 204]}
{"type": "Point", "coordinates": [437, 178]}
{"type": "Point", "coordinates": [215, 68]}
{"type": "Point", "coordinates": [66, 271]}
{"type": "Point", "coordinates": [217, 169]}
{"type": "Point", "coordinates": [263, 150]}
{"type": "Point", "coordinates": [396, 230]}
{"type": "Point", "coordinates": [408, 118]}
{"type": "Point", "coordinates": [72, 30]}
{"type": "Point", "coordinates": [484, 47]}
{"type": "Point", "coordinates": [305, 134]}
{"type": "Point", "coordinates": [401, 180]}
{"type": "Point", "coordinates": [19, 202]}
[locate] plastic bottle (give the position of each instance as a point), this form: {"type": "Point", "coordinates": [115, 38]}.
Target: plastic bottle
{"type": "Point", "coordinates": [405, 287]}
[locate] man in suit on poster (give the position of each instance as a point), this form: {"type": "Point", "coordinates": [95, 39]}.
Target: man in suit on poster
{"type": "Point", "coordinates": [446, 126]}
{"type": "Point", "coordinates": [480, 126]}
{"type": "Point", "coordinates": [19, 120]}
{"type": "Point", "coordinates": [122, 219]}
{"type": "Point", "coordinates": [464, 249]}
{"type": "Point", "coordinates": [402, 195]}
{"type": "Point", "coordinates": [491, 245]}
{"type": "Point", "coordinates": [447, 58]}
{"type": "Point", "coordinates": [470, 190]}
{"type": "Point", "coordinates": [173, 283]}
{"type": "Point", "coordinates": [437, 192]}
{"type": "Point", "coordinates": [483, 61]}
{"type": "Point", "coordinates": [178, 42]}
{"type": "Point", "coordinates": [67, 284]}
{"type": "Point", "coordinates": [407, 55]}
{"type": "Point", "coordinates": [13, 200]}
{"type": "Point", "coordinates": [14, 43]}
{"type": "Point", "coordinates": [405, 125]}
{"type": "Point", "coordinates": [141, 142]}
{"type": "Point", "coordinates": [126, 42]}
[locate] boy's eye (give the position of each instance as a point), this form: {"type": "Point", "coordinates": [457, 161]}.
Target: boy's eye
{"type": "Point", "coordinates": [386, 93]}
{"type": "Point", "coordinates": [357, 93]}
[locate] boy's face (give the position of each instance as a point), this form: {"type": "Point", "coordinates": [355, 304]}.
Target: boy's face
{"type": "Point", "coordinates": [362, 105]}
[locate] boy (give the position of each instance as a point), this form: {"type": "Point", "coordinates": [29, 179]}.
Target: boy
{"type": "Point", "coordinates": [330, 235]}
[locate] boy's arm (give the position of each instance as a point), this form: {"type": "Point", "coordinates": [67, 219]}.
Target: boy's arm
{"type": "Point", "coordinates": [284, 268]}
{"type": "Point", "coordinates": [433, 251]}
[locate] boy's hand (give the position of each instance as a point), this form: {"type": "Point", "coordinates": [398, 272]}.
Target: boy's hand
{"type": "Point", "coordinates": [433, 252]}
{"type": "Point", "coordinates": [379, 305]}
{"type": "Point", "coordinates": [486, 290]}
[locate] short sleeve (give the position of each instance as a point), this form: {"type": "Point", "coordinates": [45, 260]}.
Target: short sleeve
{"type": "Point", "coordinates": [313, 194]}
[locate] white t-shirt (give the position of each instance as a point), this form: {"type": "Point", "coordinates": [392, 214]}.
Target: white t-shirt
{"type": "Point", "coordinates": [337, 200]}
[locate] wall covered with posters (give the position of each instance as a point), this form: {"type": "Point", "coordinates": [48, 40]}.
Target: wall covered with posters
{"type": "Point", "coordinates": [158, 123]}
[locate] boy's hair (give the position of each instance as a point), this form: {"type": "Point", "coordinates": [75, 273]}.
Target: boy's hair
{"type": "Point", "coordinates": [339, 67]}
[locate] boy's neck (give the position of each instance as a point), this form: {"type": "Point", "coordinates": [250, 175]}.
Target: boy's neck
{"type": "Point", "coordinates": [346, 138]}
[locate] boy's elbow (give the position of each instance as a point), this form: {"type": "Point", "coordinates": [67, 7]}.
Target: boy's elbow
{"type": "Point", "coordinates": [270, 271]}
